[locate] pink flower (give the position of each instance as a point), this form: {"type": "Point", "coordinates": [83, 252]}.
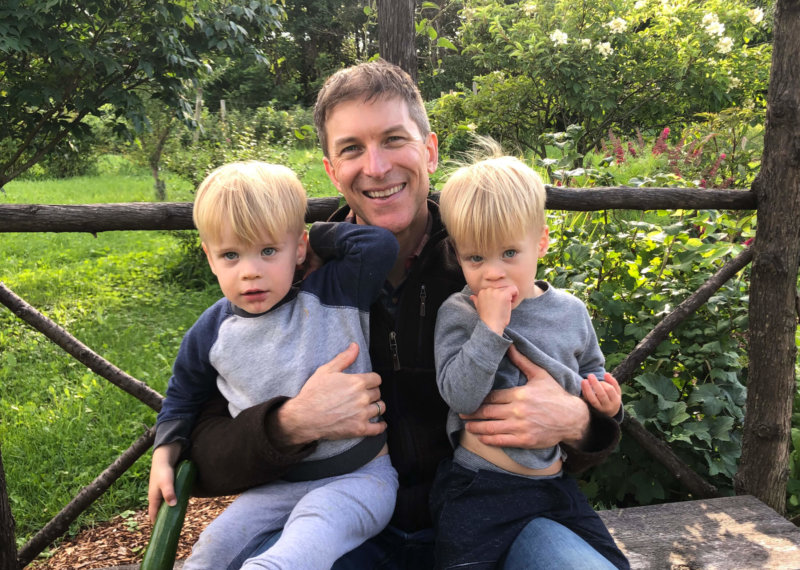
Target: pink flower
{"type": "Point", "coordinates": [661, 143]}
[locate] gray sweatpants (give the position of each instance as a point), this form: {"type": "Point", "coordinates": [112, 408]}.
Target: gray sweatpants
{"type": "Point", "coordinates": [321, 521]}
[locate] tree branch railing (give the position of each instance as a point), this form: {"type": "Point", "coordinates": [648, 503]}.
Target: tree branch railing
{"type": "Point", "coordinates": [94, 218]}
{"type": "Point", "coordinates": [178, 215]}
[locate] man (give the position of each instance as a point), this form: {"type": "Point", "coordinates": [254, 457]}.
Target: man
{"type": "Point", "coordinates": [379, 152]}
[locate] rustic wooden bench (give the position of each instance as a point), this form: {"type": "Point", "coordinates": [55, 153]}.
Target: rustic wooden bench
{"type": "Point", "coordinates": [728, 533]}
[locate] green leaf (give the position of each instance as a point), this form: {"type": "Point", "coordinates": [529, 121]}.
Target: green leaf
{"type": "Point", "coordinates": [658, 385]}
{"type": "Point", "coordinates": [443, 42]}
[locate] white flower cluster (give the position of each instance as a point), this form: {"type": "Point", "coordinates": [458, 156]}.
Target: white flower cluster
{"type": "Point", "coordinates": [604, 49]}
{"type": "Point", "coordinates": [617, 26]}
{"type": "Point", "coordinates": [529, 9]}
{"type": "Point", "coordinates": [586, 43]}
{"type": "Point", "coordinates": [558, 37]}
{"type": "Point", "coordinates": [712, 25]}
{"type": "Point", "coordinates": [725, 45]}
{"type": "Point", "coordinates": [640, 4]}
{"type": "Point", "coordinates": [755, 15]}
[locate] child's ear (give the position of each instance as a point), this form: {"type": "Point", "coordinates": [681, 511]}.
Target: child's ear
{"type": "Point", "coordinates": [544, 241]}
{"type": "Point", "coordinates": [302, 247]}
{"type": "Point", "coordinates": [208, 257]}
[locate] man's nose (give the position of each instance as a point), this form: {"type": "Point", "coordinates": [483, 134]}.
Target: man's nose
{"type": "Point", "coordinates": [377, 162]}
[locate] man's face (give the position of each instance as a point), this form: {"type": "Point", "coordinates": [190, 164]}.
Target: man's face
{"type": "Point", "coordinates": [379, 161]}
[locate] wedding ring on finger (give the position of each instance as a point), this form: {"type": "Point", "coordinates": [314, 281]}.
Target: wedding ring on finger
{"type": "Point", "coordinates": [378, 404]}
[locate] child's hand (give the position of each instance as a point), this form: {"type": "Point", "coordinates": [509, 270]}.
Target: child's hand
{"type": "Point", "coordinates": [162, 478]}
{"type": "Point", "coordinates": [605, 397]}
{"type": "Point", "coordinates": [494, 306]}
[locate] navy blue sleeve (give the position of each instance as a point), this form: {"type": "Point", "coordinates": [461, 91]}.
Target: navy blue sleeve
{"type": "Point", "coordinates": [193, 379]}
{"type": "Point", "coordinates": [360, 259]}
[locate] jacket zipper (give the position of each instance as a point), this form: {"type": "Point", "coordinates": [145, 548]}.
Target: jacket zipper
{"type": "Point", "coordinates": [422, 296]}
{"type": "Point", "coordinates": [393, 349]}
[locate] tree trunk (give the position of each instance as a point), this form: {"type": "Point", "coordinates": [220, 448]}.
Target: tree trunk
{"type": "Point", "coordinates": [771, 381]}
{"type": "Point", "coordinates": [396, 34]}
{"type": "Point", "coordinates": [8, 544]}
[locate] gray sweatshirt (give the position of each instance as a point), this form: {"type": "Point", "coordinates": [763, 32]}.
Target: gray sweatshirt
{"type": "Point", "coordinates": [553, 330]}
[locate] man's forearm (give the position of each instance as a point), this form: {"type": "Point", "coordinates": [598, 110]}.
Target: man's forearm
{"type": "Point", "coordinates": [600, 440]}
{"type": "Point", "coordinates": [235, 454]}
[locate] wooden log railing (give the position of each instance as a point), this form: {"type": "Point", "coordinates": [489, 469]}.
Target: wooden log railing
{"type": "Point", "coordinates": [94, 218]}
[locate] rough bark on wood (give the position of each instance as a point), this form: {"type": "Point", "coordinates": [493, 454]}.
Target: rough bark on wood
{"type": "Point", "coordinates": [8, 543]}
{"type": "Point", "coordinates": [78, 350]}
{"type": "Point", "coordinates": [59, 524]}
{"type": "Point", "coordinates": [776, 251]}
{"type": "Point", "coordinates": [95, 218]}
{"type": "Point", "coordinates": [396, 34]}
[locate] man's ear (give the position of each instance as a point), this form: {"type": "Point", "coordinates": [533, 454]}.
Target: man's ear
{"type": "Point", "coordinates": [331, 172]}
{"type": "Point", "coordinates": [544, 241]}
{"type": "Point", "coordinates": [432, 145]}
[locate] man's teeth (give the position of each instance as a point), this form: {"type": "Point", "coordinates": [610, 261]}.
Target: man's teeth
{"type": "Point", "coordinates": [385, 193]}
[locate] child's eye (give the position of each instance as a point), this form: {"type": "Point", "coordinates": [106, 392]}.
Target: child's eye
{"type": "Point", "coordinates": [268, 251]}
{"type": "Point", "coordinates": [509, 253]}
{"type": "Point", "coordinates": [230, 255]}
{"type": "Point", "coordinates": [475, 258]}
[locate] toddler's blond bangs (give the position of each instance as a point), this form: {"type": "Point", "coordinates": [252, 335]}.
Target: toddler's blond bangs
{"type": "Point", "coordinates": [254, 199]}
{"type": "Point", "coordinates": [492, 202]}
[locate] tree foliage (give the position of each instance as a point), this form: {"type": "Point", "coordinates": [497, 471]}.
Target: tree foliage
{"type": "Point", "coordinates": [61, 61]}
{"type": "Point", "coordinates": [622, 64]}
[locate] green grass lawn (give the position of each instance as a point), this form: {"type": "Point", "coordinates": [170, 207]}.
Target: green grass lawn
{"type": "Point", "coordinates": [62, 424]}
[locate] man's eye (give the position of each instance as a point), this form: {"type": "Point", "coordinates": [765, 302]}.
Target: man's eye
{"type": "Point", "coordinates": [349, 149]}
{"type": "Point", "coordinates": [230, 255]}
{"type": "Point", "coordinates": [394, 140]}
{"type": "Point", "coordinates": [509, 253]}
{"type": "Point", "coordinates": [268, 251]}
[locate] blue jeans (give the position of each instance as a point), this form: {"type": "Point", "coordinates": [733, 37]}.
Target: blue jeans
{"type": "Point", "coordinates": [542, 545]}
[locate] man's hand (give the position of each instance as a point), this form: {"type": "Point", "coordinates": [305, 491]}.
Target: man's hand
{"type": "Point", "coordinates": [537, 415]}
{"type": "Point", "coordinates": [494, 306]}
{"type": "Point", "coordinates": [162, 478]}
{"type": "Point", "coordinates": [332, 404]}
{"type": "Point", "coordinates": [605, 397]}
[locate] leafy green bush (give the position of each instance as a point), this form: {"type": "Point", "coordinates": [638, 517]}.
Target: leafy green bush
{"type": "Point", "coordinates": [691, 392]}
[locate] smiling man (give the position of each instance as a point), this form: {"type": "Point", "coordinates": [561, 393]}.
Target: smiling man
{"type": "Point", "coordinates": [379, 152]}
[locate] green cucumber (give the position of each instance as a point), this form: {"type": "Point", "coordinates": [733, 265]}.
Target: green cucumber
{"type": "Point", "coordinates": [160, 553]}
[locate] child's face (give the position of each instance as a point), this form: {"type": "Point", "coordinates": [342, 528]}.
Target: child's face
{"type": "Point", "coordinates": [507, 265]}
{"type": "Point", "coordinates": [255, 277]}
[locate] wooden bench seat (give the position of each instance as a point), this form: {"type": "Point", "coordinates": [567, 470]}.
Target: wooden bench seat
{"type": "Point", "coordinates": [728, 533]}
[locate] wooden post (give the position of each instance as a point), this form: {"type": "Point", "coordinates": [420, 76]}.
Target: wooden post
{"type": "Point", "coordinates": [776, 251]}
{"type": "Point", "coordinates": [8, 544]}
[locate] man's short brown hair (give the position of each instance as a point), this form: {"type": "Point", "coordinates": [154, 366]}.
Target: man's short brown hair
{"type": "Point", "coordinates": [369, 81]}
